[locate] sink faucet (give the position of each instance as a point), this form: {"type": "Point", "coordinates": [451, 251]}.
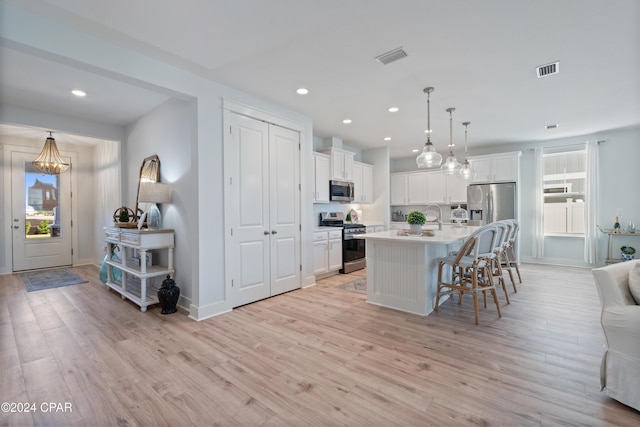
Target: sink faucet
{"type": "Point", "coordinates": [439, 213]}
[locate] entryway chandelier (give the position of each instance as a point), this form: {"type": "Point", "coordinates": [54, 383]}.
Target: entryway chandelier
{"type": "Point", "coordinates": [451, 165]}
{"type": "Point", "coordinates": [49, 161]}
{"type": "Point", "coordinates": [429, 156]}
{"type": "Point", "coordinates": [466, 171]}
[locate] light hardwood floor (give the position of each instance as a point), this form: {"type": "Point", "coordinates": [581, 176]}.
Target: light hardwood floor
{"type": "Point", "coordinates": [318, 356]}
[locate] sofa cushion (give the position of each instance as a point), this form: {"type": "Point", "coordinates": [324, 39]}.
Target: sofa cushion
{"type": "Point", "coordinates": [634, 282]}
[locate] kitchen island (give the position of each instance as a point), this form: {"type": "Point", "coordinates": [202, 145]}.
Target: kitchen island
{"type": "Point", "coordinates": [402, 271]}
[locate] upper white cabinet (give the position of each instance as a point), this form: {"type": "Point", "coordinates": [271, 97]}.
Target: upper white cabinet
{"type": "Point", "coordinates": [496, 168]}
{"type": "Point", "coordinates": [456, 189]}
{"type": "Point", "coordinates": [420, 188]}
{"type": "Point", "coordinates": [321, 168]}
{"type": "Point", "coordinates": [398, 189]}
{"type": "Point", "coordinates": [436, 188]}
{"type": "Point", "coordinates": [408, 188]}
{"type": "Point", "coordinates": [362, 183]}
{"type": "Point", "coordinates": [341, 164]}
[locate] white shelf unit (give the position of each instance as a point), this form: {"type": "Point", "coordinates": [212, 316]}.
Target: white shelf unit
{"type": "Point", "coordinates": [135, 284]}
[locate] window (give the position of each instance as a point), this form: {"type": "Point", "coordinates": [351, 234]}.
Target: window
{"type": "Point", "coordinates": [564, 186]}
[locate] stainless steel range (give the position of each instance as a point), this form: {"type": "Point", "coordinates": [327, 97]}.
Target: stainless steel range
{"type": "Point", "coordinates": [353, 249]}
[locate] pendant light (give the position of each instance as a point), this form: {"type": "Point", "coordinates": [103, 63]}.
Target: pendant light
{"type": "Point", "coordinates": [429, 156]}
{"type": "Point", "coordinates": [49, 160]}
{"type": "Point", "coordinates": [451, 165]}
{"type": "Point", "coordinates": [466, 172]}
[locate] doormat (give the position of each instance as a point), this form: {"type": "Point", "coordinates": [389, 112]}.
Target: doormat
{"type": "Point", "coordinates": [49, 279]}
{"type": "Point", "coordinates": [358, 285]}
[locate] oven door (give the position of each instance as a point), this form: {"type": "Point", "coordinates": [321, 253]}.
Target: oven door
{"type": "Point", "coordinates": [353, 254]}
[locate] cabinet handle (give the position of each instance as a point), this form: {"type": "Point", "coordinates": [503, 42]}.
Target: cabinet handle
{"type": "Point", "coordinates": [273, 232]}
{"type": "Point", "coordinates": [266, 232]}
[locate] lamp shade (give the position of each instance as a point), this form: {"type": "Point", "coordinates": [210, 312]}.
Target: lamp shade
{"type": "Point", "coordinates": [154, 192]}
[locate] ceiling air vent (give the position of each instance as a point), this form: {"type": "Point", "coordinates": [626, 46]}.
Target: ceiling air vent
{"type": "Point", "coordinates": [394, 55]}
{"type": "Point", "coordinates": [548, 69]}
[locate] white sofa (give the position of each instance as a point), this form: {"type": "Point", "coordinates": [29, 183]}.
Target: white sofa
{"type": "Point", "coordinates": [620, 369]}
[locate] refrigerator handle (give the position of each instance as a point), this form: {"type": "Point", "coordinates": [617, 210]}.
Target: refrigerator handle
{"type": "Point", "coordinates": [489, 208]}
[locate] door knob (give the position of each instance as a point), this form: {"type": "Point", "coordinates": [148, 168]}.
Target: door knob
{"type": "Point", "coordinates": [274, 232]}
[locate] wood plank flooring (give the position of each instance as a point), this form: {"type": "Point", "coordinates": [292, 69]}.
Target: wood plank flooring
{"type": "Point", "coordinates": [318, 356]}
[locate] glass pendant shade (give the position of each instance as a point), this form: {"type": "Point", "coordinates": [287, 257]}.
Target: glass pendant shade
{"type": "Point", "coordinates": [451, 165]}
{"type": "Point", "coordinates": [466, 171]}
{"type": "Point", "coordinates": [49, 161]}
{"type": "Point", "coordinates": [429, 157]}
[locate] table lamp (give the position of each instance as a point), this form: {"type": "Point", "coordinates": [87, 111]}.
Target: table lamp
{"type": "Point", "coordinates": [154, 192]}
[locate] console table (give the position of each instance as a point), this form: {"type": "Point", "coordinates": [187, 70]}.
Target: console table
{"type": "Point", "coordinates": [611, 234]}
{"type": "Point", "coordinates": [135, 271]}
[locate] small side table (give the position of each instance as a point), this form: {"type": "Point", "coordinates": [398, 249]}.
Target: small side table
{"type": "Point", "coordinates": [609, 232]}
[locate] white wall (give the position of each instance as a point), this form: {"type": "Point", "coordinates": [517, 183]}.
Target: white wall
{"type": "Point", "coordinates": [167, 132]}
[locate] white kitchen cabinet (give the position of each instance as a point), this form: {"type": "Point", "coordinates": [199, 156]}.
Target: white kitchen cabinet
{"type": "Point", "coordinates": [417, 188]}
{"type": "Point", "coordinates": [327, 251]}
{"type": "Point", "coordinates": [320, 252]}
{"type": "Point", "coordinates": [335, 250]}
{"type": "Point", "coordinates": [321, 167]}
{"type": "Point", "coordinates": [341, 164]}
{"type": "Point", "coordinates": [135, 282]}
{"type": "Point", "coordinates": [362, 183]}
{"type": "Point", "coordinates": [496, 167]}
{"type": "Point", "coordinates": [436, 188]}
{"type": "Point", "coordinates": [374, 228]}
{"type": "Point", "coordinates": [398, 189]}
{"type": "Point", "coordinates": [456, 190]}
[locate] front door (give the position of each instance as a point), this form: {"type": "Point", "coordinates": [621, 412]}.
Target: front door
{"type": "Point", "coordinates": [41, 215]}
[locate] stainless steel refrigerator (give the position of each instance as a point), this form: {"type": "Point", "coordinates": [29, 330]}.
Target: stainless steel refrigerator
{"type": "Point", "coordinates": [488, 203]}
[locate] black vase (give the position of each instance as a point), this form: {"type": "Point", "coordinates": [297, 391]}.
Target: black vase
{"type": "Point", "coordinates": [168, 295]}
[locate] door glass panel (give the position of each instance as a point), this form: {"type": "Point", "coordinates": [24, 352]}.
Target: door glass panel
{"type": "Point", "coordinates": [42, 211]}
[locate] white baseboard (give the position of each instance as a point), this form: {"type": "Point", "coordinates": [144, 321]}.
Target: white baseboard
{"type": "Point", "coordinates": [201, 313]}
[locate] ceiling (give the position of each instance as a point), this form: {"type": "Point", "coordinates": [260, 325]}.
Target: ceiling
{"type": "Point", "coordinates": [481, 57]}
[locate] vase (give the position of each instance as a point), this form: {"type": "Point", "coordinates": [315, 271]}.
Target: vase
{"type": "Point", "coordinates": [415, 228]}
{"type": "Point", "coordinates": [168, 295]}
{"type": "Point", "coordinates": [627, 257]}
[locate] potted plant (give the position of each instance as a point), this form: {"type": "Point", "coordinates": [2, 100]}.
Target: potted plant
{"type": "Point", "coordinates": [416, 220]}
{"type": "Point", "coordinates": [627, 253]}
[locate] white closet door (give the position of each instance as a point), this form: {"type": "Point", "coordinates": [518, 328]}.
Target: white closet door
{"type": "Point", "coordinates": [284, 185]}
{"type": "Point", "coordinates": [252, 233]}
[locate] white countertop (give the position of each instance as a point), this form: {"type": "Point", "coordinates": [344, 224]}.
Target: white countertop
{"type": "Point", "coordinates": [371, 222]}
{"type": "Point", "coordinates": [325, 228]}
{"type": "Point", "coordinates": [446, 236]}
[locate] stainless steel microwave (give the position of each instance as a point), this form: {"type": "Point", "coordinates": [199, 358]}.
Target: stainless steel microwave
{"type": "Point", "coordinates": [341, 191]}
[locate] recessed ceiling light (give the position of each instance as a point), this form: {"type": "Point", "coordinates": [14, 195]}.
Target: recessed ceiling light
{"type": "Point", "coordinates": [393, 109]}
{"type": "Point", "coordinates": [78, 92]}
{"type": "Point", "coordinates": [346, 121]}
{"type": "Point", "coordinates": [551, 126]}
{"type": "Point", "coordinates": [415, 150]}
{"type": "Point", "coordinates": [302, 91]}
{"type": "Point", "coordinates": [387, 138]}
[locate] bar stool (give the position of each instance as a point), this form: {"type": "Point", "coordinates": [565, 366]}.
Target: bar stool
{"type": "Point", "coordinates": [470, 269]}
